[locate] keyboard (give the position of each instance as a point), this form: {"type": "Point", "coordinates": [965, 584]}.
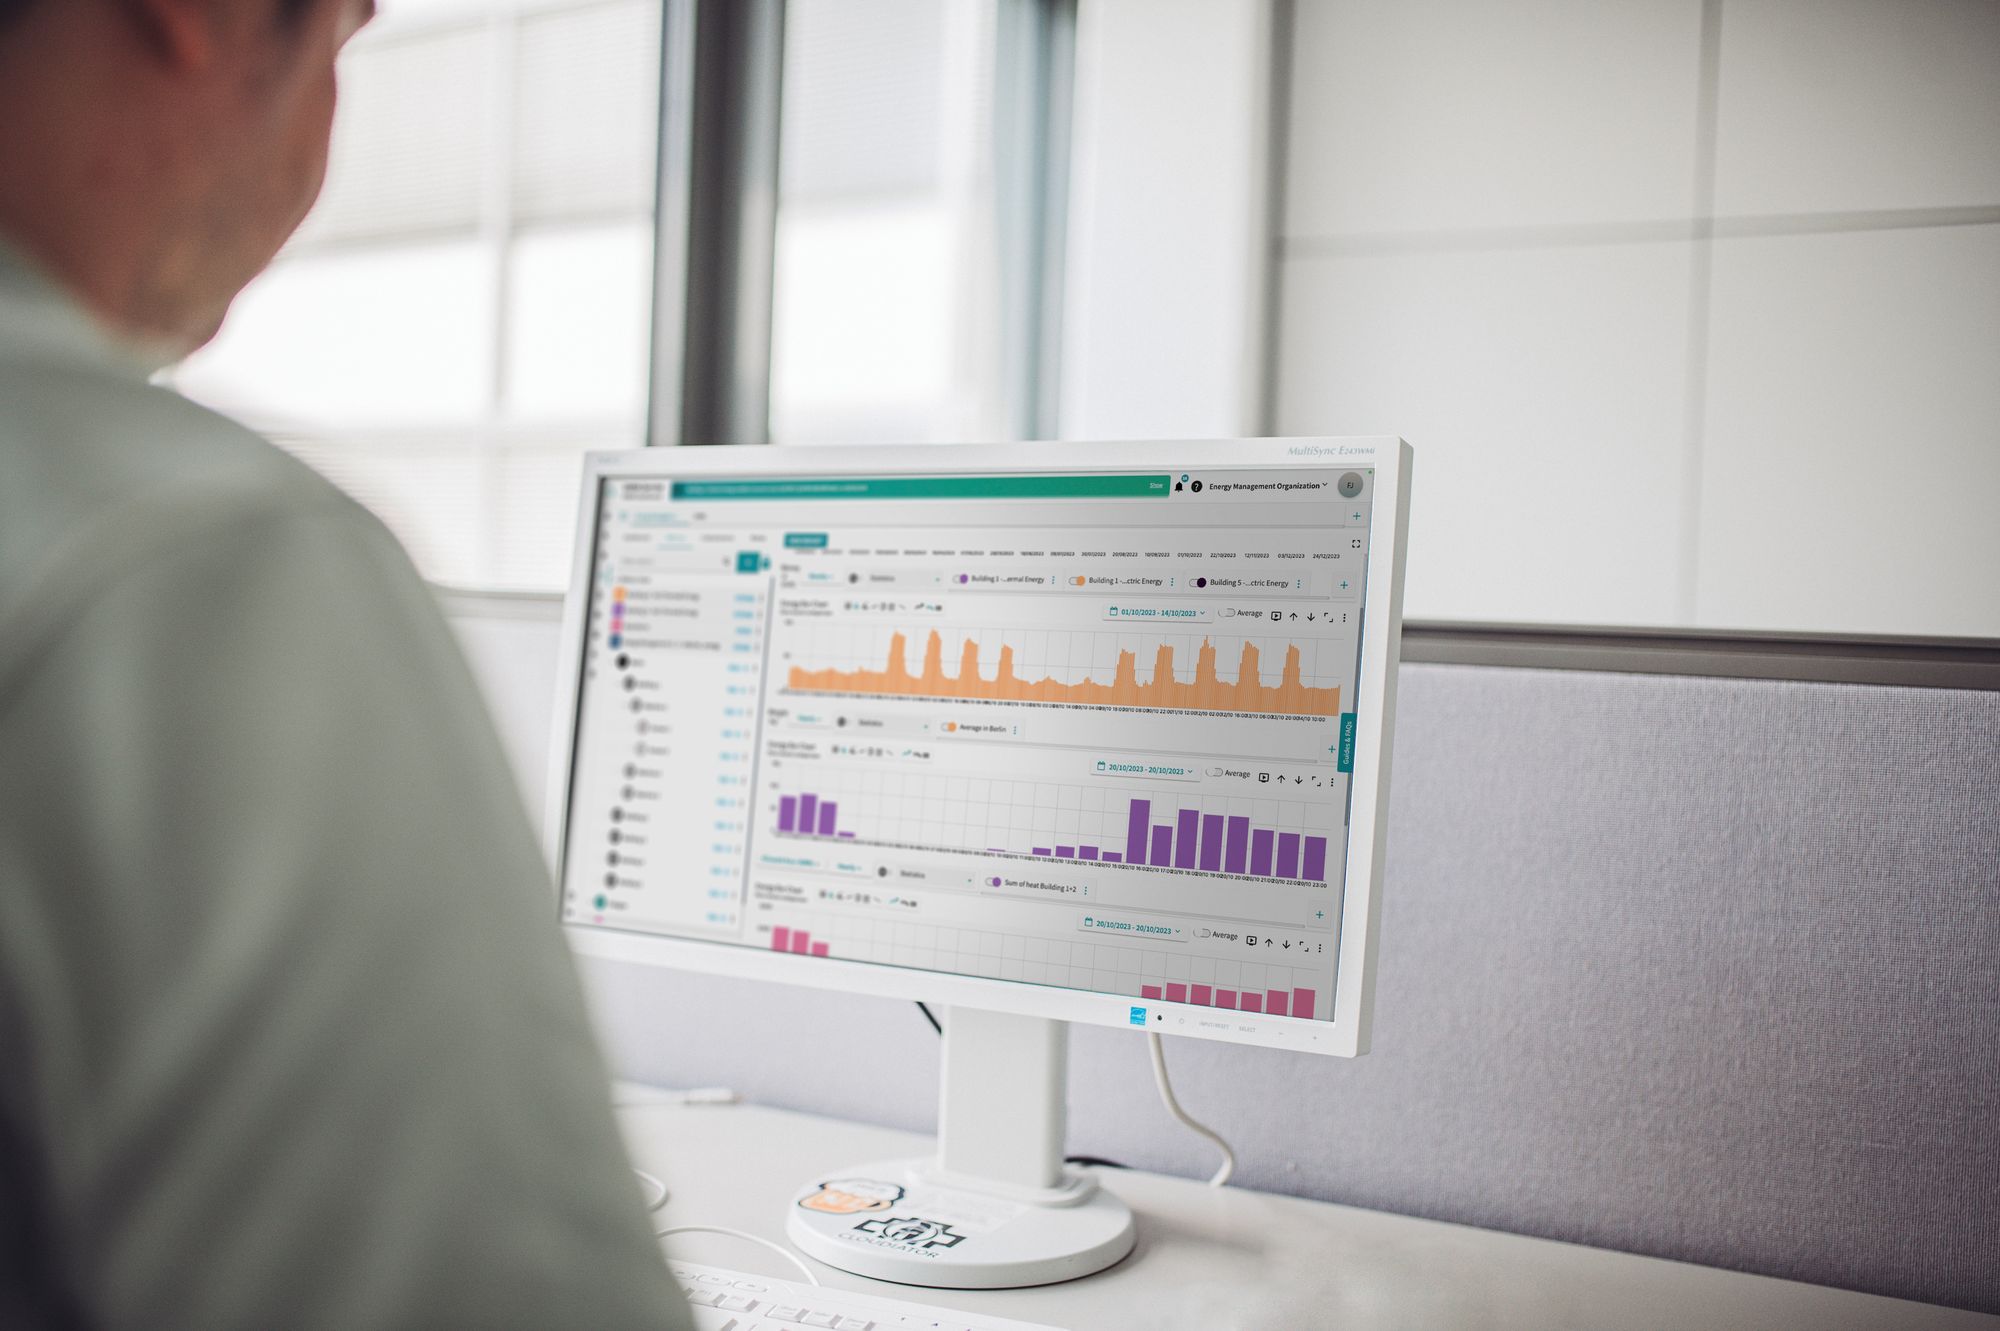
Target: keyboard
{"type": "Point", "coordinates": [735, 1301]}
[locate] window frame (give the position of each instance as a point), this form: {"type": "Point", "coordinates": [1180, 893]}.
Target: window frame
{"type": "Point", "coordinates": [715, 244]}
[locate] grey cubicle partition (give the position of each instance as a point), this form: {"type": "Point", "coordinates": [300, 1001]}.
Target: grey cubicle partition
{"type": "Point", "coordinates": [1698, 967]}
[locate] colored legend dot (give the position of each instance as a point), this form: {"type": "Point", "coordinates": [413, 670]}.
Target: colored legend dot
{"type": "Point", "coordinates": [600, 903]}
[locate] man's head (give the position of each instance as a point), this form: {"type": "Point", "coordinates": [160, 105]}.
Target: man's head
{"type": "Point", "coordinates": [161, 151]}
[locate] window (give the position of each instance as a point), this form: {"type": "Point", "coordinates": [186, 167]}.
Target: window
{"type": "Point", "coordinates": [470, 306]}
{"type": "Point", "coordinates": [467, 309]}
{"type": "Point", "coordinates": [896, 269]}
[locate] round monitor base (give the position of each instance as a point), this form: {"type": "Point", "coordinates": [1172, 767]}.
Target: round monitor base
{"type": "Point", "coordinates": [886, 1221]}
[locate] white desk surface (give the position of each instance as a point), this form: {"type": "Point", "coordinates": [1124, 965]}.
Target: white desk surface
{"type": "Point", "coordinates": [1216, 1259]}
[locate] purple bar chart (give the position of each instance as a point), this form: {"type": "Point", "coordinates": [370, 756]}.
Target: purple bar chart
{"type": "Point", "coordinates": [810, 815]}
{"type": "Point", "coordinates": [1135, 833]}
{"type": "Point", "coordinates": [1185, 839]}
{"type": "Point", "coordinates": [1213, 842]}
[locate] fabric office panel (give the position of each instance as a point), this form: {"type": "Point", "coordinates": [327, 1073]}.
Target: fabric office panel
{"type": "Point", "coordinates": [1689, 967]}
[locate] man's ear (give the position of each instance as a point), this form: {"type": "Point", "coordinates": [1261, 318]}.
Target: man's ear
{"type": "Point", "coordinates": [184, 34]}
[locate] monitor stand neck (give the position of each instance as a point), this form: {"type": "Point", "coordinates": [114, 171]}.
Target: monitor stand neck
{"type": "Point", "coordinates": [1003, 1104]}
{"type": "Point", "coordinates": [995, 1207]}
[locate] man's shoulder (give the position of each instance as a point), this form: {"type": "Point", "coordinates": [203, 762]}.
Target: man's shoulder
{"type": "Point", "coordinates": [77, 438]}
{"type": "Point", "coordinates": [102, 477]}
{"type": "Point", "coordinates": [83, 453]}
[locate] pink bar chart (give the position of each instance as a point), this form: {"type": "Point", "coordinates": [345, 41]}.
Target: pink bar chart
{"type": "Point", "coordinates": [1293, 1002]}
{"type": "Point", "coordinates": [797, 941]}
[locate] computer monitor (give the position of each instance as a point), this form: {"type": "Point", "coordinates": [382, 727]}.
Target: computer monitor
{"type": "Point", "coordinates": [1043, 733]}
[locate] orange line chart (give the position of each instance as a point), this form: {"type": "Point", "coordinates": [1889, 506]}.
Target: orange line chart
{"type": "Point", "coordinates": [1206, 692]}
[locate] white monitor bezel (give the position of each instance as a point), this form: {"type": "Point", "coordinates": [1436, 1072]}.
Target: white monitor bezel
{"type": "Point", "coordinates": [1353, 994]}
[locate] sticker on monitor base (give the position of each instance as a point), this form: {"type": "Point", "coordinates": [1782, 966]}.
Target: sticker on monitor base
{"type": "Point", "coordinates": [910, 1231]}
{"type": "Point", "coordinates": [929, 1221]}
{"type": "Point", "coordinates": [851, 1196]}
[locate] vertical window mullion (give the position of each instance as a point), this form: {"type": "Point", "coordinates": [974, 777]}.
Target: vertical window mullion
{"type": "Point", "coordinates": [720, 87]}
{"type": "Point", "coordinates": [497, 239]}
{"type": "Point", "coordinates": [1032, 83]}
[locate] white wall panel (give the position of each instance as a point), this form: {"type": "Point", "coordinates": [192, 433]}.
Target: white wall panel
{"type": "Point", "coordinates": [512, 648]}
{"type": "Point", "coordinates": [1169, 231]}
{"type": "Point", "coordinates": [1854, 105]}
{"type": "Point", "coordinates": [1852, 464]}
{"type": "Point", "coordinates": [1470, 113]}
{"type": "Point", "coordinates": [1542, 390]}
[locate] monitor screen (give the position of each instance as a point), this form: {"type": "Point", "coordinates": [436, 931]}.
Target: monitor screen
{"type": "Point", "coordinates": [1084, 729]}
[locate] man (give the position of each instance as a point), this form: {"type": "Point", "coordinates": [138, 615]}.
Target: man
{"type": "Point", "coordinates": [287, 1035]}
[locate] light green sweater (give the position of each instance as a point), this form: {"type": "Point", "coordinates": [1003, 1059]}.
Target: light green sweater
{"type": "Point", "coordinates": [288, 1036]}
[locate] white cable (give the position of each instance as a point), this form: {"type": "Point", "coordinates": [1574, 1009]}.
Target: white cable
{"type": "Point", "coordinates": [1221, 1176]}
{"type": "Point", "coordinates": [656, 1191]}
{"type": "Point", "coordinates": [785, 1253]}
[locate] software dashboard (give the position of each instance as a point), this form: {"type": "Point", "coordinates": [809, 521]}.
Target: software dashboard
{"type": "Point", "coordinates": [1092, 730]}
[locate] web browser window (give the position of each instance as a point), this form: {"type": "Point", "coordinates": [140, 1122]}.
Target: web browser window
{"type": "Point", "coordinates": [1088, 729]}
